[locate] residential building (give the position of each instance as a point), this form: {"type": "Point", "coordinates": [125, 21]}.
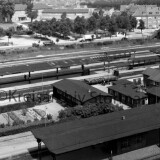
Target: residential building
{"type": "Point", "coordinates": [20, 12]}
{"type": "Point", "coordinates": [150, 14]}
{"type": "Point", "coordinates": [71, 13]}
{"type": "Point", "coordinates": [128, 93]}
{"type": "Point", "coordinates": [117, 132]}
{"type": "Point", "coordinates": [74, 92]}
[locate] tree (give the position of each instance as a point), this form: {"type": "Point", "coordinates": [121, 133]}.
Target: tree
{"type": "Point", "coordinates": [6, 10]}
{"type": "Point", "coordinates": [95, 15]}
{"type": "Point", "coordinates": [112, 26]}
{"type": "Point", "coordinates": [133, 22]}
{"type": "Point", "coordinates": [64, 28]}
{"type": "Point", "coordinates": [101, 12]}
{"type": "Point", "coordinates": [64, 16]}
{"type": "Point", "coordinates": [80, 25]}
{"type": "Point", "coordinates": [123, 21]}
{"type": "Point", "coordinates": [30, 12]}
{"type": "Point", "coordinates": [91, 23]}
{"type": "Point", "coordinates": [2, 32]}
{"type": "Point", "coordinates": [103, 23]}
{"type": "Point", "coordinates": [141, 25]}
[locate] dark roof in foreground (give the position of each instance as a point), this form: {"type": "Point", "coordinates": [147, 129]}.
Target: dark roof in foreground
{"type": "Point", "coordinates": [69, 136]}
{"type": "Point", "coordinates": [78, 89]}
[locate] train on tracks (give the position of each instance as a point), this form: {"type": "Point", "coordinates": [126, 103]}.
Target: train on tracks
{"type": "Point", "coordinates": [68, 72]}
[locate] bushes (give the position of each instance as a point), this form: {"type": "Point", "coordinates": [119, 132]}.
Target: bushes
{"type": "Point", "coordinates": [88, 110]}
{"type": "Point", "coordinates": [71, 46]}
{"type": "Point", "coordinates": [107, 42]}
{"type": "Point", "coordinates": [99, 43]}
{"type": "Point", "coordinates": [16, 106]}
{"type": "Point", "coordinates": [24, 127]}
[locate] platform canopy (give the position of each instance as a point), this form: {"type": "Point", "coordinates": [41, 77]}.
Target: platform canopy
{"type": "Point", "coordinates": [45, 65]}
{"type": "Point", "coordinates": [77, 134]}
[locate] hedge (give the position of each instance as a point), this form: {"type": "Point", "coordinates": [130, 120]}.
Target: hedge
{"type": "Point", "coordinates": [10, 130]}
{"type": "Point", "coordinates": [16, 106]}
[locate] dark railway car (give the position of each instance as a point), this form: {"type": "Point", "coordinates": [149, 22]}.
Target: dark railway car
{"type": "Point", "coordinates": [36, 76]}
{"type": "Point", "coordinates": [135, 62]}
{"type": "Point", "coordinates": [112, 57]}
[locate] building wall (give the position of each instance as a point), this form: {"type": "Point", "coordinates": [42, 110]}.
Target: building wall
{"type": "Point", "coordinates": [117, 146]}
{"type": "Point", "coordinates": [138, 141]}
{"type": "Point", "coordinates": [152, 99]}
{"type": "Point", "coordinates": [150, 21]}
{"type": "Point", "coordinates": [20, 16]}
{"type": "Point", "coordinates": [69, 15]}
{"type": "Point", "coordinates": [126, 99]}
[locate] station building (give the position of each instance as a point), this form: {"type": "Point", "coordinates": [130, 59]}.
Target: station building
{"type": "Point", "coordinates": [118, 132]}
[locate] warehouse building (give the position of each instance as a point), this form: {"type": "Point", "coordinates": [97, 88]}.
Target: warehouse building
{"type": "Point", "coordinates": [128, 93]}
{"type": "Point", "coordinates": [75, 92]}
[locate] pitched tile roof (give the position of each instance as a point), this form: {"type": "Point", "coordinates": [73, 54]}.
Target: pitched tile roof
{"type": "Point", "coordinates": [36, 6]}
{"type": "Point", "coordinates": [20, 7]}
{"type": "Point", "coordinates": [78, 89]}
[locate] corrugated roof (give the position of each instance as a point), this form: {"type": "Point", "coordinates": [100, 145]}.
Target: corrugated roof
{"type": "Point", "coordinates": [78, 89]}
{"type": "Point", "coordinates": [66, 10]}
{"type": "Point", "coordinates": [82, 133]}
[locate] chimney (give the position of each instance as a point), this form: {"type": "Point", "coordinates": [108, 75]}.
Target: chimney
{"type": "Point", "coordinates": [123, 117]}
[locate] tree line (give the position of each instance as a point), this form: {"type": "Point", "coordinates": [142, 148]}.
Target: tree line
{"type": "Point", "coordinates": [81, 25]}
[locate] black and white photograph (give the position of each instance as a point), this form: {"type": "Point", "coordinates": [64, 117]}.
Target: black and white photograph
{"type": "Point", "coordinates": [79, 79]}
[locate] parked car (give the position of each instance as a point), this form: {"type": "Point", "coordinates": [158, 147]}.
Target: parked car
{"type": "Point", "coordinates": [48, 43]}
{"type": "Point", "coordinates": [124, 39]}
{"type": "Point", "coordinates": [71, 38]}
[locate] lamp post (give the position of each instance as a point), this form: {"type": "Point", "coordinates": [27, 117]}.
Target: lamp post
{"type": "Point", "coordinates": [45, 114]}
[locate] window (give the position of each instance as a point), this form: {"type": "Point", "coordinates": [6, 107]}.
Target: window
{"type": "Point", "coordinates": [125, 144]}
{"type": "Point", "coordinates": [150, 12]}
{"type": "Point", "coordinates": [157, 12]}
{"type": "Point", "coordinates": [139, 139]}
